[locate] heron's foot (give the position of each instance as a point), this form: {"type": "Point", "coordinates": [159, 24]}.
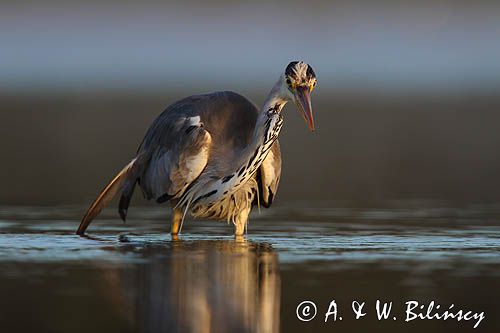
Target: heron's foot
{"type": "Point", "coordinates": [239, 230]}
{"type": "Point", "coordinates": [176, 222]}
{"type": "Point", "coordinates": [174, 232]}
{"type": "Point", "coordinates": [240, 223]}
{"type": "Point", "coordinates": [239, 238]}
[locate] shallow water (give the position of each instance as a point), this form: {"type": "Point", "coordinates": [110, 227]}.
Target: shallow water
{"type": "Point", "coordinates": [133, 277]}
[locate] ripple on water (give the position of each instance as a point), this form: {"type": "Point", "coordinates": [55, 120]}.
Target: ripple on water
{"type": "Point", "coordinates": [346, 235]}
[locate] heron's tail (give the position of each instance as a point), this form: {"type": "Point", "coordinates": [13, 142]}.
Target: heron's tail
{"type": "Point", "coordinates": [119, 182]}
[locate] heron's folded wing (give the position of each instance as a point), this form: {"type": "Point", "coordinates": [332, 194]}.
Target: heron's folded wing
{"type": "Point", "coordinates": [175, 163]}
{"type": "Point", "coordinates": [270, 173]}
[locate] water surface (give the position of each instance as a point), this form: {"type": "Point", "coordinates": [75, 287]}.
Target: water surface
{"type": "Point", "coordinates": [135, 278]}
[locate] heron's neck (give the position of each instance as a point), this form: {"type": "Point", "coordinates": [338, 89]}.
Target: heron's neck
{"type": "Point", "coordinates": [275, 99]}
{"type": "Point", "coordinates": [267, 129]}
{"type": "Point", "coordinates": [274, 103]}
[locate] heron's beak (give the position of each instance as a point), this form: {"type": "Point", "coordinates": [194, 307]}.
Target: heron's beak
{"type": "Point", "coordinates": [303, 101]}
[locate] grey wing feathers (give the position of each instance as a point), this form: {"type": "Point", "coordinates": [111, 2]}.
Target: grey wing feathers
{"type": "Point", "coordinates": [172, 167]}
{"type": "Point", "coordinates": [179, 141]}
{"type": "Point", "coordinates": [129, 183]}
{"type": "Point", "coordinates": [270, 173]}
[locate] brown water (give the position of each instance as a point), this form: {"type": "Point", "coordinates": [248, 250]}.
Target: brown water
{"type": "Point", "coordinates": [134, 278]}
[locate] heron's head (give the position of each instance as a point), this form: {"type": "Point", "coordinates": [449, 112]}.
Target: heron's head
{"type": "Point", "coordinates": [299, 81]}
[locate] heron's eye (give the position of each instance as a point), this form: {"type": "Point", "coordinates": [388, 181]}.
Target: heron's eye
{"type": "Point", "coordinates": [311, 87]}
{"type": "Point", "coordinates": [288, 81]}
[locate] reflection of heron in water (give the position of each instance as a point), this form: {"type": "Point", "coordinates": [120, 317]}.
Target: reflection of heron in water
{"type": "Point", "coordinates": [213, 155]}
{"type": "Point", "coordinates": [204, 286]}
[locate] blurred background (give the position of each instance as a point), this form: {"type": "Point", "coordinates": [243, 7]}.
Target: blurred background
{"type": "Point", "coordinates": [407, 104]}
{"type": "Point", "coordinates": [394, 197]}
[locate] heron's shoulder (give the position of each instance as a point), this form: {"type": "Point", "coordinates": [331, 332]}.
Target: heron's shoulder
{"type": "Point", "coordinates": [224, 94]}
{"type": "Point", "coordinates": [231, 95]}
{"type": "Point", "coordinates": [220, 99]}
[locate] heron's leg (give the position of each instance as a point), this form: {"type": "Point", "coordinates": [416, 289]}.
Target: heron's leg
{"type": "Point", "coordinates": [176, 221]}
{"type": "Point", "coordinates": [240, 222]}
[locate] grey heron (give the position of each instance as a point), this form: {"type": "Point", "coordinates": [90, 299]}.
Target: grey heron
{"type": "Point", "coordinates": [213, 155]}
